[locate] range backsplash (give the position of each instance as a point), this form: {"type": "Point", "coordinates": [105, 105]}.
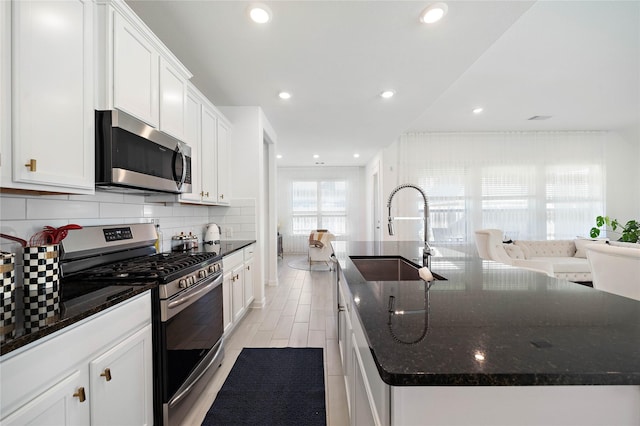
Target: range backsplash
{"type": "Point", "coordinates": [23, 215]}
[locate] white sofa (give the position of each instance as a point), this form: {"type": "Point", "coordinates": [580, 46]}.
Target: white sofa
{"type": "Point", "coordinates": [566, 259]}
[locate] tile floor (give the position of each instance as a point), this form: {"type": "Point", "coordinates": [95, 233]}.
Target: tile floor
{"type": "Point", "coordinates": [298, 313]}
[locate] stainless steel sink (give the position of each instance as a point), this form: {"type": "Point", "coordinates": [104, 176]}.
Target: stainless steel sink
{"type": "Point", "coordinates": [388, 269]}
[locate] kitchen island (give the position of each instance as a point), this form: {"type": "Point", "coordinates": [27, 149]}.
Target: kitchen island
{"type": "Point", "coordinates": [491, 344]}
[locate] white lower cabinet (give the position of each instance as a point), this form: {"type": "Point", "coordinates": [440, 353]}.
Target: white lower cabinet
{"type": "Point", "coordinates": [367, 395]}
{"type": "Point", "coordinates": [237, 285]}
{"type": "Point", "coordinates": [237, 292]}
{"type": "Point", "coordinates": [361, 411]}
{"type": "Point", "coordinates": [58, 405]}
{"type": "Point", "coordinates": [96, 372]}
{"type": "Point", "coordinates": [120, 379]}
{"type": "Point", "coordinates": [232, 289]}
{"type": "Point", "coordinates": [249, 270]}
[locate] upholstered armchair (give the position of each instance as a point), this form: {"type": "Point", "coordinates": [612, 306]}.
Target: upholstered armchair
{"type": "Point", "coordinates": [320, 249]}
{"type": "Point", "coordinates": [615, 269]}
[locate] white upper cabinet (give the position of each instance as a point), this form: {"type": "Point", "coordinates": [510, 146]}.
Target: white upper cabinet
{"type": "Point", "coordinates": [173, 97]}
{"type": "Point", "coordinates": [51, 86]}
{"type": "Point", "coordinates": [137, 73]}
{"type": "Point", "coordinates": [223, 162]}
{"type": "Point", "coordinates": [209, 158]}
{"type": "Point", "coordinates": [206, 132]}
{"type": "Point", "coordinates": [192, 134]}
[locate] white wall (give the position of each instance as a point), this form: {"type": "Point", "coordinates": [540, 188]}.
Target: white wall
{"type": "Point", "coordinates": [247, 174]}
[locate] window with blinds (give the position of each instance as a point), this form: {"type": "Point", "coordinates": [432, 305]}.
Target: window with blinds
{"type": "Point", "coordinates": [319, 204]}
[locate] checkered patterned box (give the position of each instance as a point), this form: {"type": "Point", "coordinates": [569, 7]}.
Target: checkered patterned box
{"type": "Point", "coordinates": [40, 267]}
{"type": "Point", "coordinates": [41, 286]}
{"type": "Point", "coordinates": [41, 307]}
{"type": "Point", "coordinates": [8, 297]}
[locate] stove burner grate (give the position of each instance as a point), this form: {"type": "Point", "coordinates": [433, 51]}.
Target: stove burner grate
{"type": "Point", "coordinates": [157, 266]}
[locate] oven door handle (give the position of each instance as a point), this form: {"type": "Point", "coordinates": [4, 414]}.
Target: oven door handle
{"type": "Point", "coordinates": [185, 299]}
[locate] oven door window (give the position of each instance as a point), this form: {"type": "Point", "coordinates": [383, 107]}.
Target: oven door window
{"type": "Point", "coordinates": [189, 336]}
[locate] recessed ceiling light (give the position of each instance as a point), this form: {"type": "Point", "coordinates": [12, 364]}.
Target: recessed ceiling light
{"type": "Point", "coordinates": [279, 156]}
{"type": "Point", "coordinates": [434, 13]}
{"type": "Point", "coordinates": [387, 94]}
{"type": "Point", "coordinates": [259, 13]}
{"type": "Point", "coordinates": [478, 110]}
{"type": "Point", "coordinates": [316, 156]}
{"type": "Point", "coordinates": [356, 155]}
{"type": "Point", "coordinates": [284, 95]}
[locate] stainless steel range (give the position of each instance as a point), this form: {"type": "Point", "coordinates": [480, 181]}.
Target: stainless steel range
{"type": "Point", "coordinates": [188, 317]}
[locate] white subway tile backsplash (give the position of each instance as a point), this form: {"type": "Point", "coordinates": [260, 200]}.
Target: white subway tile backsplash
{"type": "Point", "coordinates": [133, 198]}
{"type": "Point", "coordinates": [248, 211]}
{"type": "Point", "coordinates": [100, 196]}
{"type": "Point", "coordinates": [23, 215]}
{"type": "Point", "coordinates": [13, 208]}
{"type": "Point", "coordinates": [234, 211]}
{"type": "Point", "coordinates": [243, 202]}
{"type": "Point", "coordinates": [61, 209]}
{"type": "Point", "coordinates": [120, 210]}
{"type": "Point", "coordinates": [157, 210]}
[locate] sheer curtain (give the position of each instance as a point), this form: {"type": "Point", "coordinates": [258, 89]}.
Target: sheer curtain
{"type": "Point", "coordinates": [319, 198]}
{"type": "Point", "coordinates": [532, 185]}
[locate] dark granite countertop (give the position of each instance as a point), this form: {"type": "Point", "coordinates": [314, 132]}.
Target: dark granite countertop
{"type": "Point", "coordinates": [68, 311]}
{"type": "Point", "coordinates": [490, 324]}
{"type": "Point", "coordinates": [230, 246]}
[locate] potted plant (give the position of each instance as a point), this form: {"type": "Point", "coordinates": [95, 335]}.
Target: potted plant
{"type": "Point", "coordinates": [629, 233]}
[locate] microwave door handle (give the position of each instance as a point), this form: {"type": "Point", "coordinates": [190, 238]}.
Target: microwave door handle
{"type": "Point", "coordinates": [183, 177]}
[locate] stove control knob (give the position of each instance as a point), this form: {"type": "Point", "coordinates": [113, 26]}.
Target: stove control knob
{"type": "Point", "coordinates": [182, 283]}
{"type": "Point", "coordinates": [202, 274]}
{"type": "Point", "coordinates": [212, 269]}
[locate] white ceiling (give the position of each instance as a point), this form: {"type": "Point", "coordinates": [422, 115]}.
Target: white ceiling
{"type": "Point", "coordinates": [577, 61]}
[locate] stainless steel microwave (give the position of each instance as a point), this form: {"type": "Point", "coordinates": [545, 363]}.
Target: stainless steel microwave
{"type": "Point", "coordinates": [131, 155]}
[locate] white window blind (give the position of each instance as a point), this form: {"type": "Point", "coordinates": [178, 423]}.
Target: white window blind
{"type": "Point", "coordinates": [532, 185]}
{"type": "Point", "coordinates": [319, 205]}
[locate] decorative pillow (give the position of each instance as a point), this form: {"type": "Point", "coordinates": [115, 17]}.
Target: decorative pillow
{"type": "Point", "coordinates": [514, 251]}
{"type": "Point", "coordinates": [581, 246]}
{"type": "Point", "coordinates": [525, 250]}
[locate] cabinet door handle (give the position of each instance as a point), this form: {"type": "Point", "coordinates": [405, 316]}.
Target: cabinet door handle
{"type": "Point", "coordinates": [248, 267]}
{"type": "Point", "coordinates": [207, 193]}
{"type": "Point", "coordinates": [80, 394]}
{"type": "Point", "coordinates": [106, 374]}
{"type": "Point", "coordinates": [31, 165]}
{"type": "Point", "coordinates": [222, 196]}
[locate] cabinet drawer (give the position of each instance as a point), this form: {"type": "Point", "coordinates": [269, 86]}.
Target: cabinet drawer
{"type": "Point", "coordinates": [248, 252]}
{"type": "Point", "coordinates": [231, 261]}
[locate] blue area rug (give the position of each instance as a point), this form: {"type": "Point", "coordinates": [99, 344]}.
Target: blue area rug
{"type": "Point", "coordinates": [272, 386]}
